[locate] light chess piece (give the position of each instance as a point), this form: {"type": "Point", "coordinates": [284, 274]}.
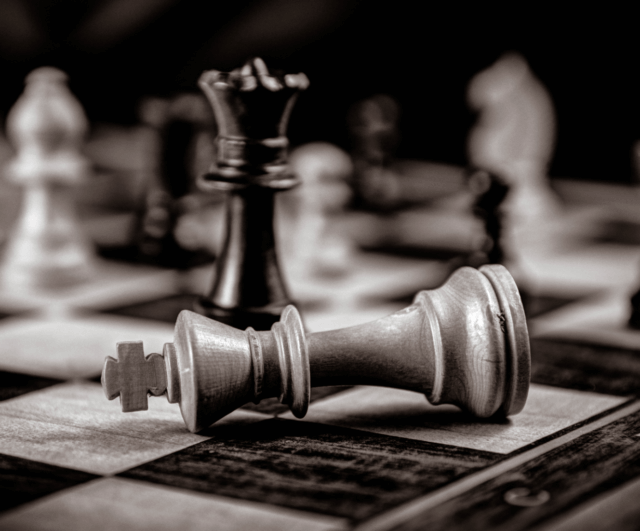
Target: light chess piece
{"type": "Point", "coordinates": [514, 139]}
{"type": "Point", "coordinates": [252, 107]}
{"type": "Point", "coordinates": [47, 247]}
{"type": "Point", "coordinates": [465, 343]}
{"type": "Point", "coordinates": [315, 244]}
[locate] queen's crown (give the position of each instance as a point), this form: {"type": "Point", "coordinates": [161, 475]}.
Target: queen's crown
{"type": "Point", "coordinates": [252, 107]}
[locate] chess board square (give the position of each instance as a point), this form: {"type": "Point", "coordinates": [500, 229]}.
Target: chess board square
{"type": "Point", "coordinates": [63, 346]}
{"type": "Point", "coordinates": [23, 480]}
{"type": "Point", "coordinates": [618, 509]}
{"type": "Point", "coordinates": [313, 467]}
{"type": "Point", "coordinates": [370, 276]}
{"type": "Point", "coordinates": [164, 309]}
{"type": "Point", "coordinates": [619, 231]}
{"type": "Point", "coordinates": [14, 384]}
{"type": "Point", "coordinates": [408, 415]}
{"type": "Point", "coordinates": [73, 425]}
{"type": "Point", "coordinates": [585, 366]}
{"type": "Point", "coordinates": [8, 313]}
{"type": "Point", "coordinates": [117, 503]}
{"type": "Point", "coordinates": [600, 319]}
{"type": "Point", "coordinates": [113, 283]}
{"type": "Point", "coordinates": [535, 305]}
{"type": "Point", "coordinates": [579, 268]}
{"type": "Point", "coordinates": [538, 489]}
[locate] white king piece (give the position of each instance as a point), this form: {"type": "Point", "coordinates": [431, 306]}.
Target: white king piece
{"type": "Point", "coordinates": [465, 343]}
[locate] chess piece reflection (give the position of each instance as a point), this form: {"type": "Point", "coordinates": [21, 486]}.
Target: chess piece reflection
{"type": "Point", "coordinates": [252, 107]}
{"type": "Point", "coordinates": [47, 247]}
{"type": "Point", "coordinates": [315, 244]}
{"type": "Point", "coordinates": [465, 343]}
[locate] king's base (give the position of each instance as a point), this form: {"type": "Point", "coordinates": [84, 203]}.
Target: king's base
{"type": "Point", "coordinates": [256, 318]}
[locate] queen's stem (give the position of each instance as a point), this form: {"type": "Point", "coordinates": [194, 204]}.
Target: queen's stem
{"type": "Point", "coordinates": [248, 288]}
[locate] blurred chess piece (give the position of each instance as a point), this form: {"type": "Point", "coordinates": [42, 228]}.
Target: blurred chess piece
{"type": "Point", "coordinates": [373, 126]}
{"type": "Point", "coordinates": [514, 139]}
{"type": "Point", "coordinates": [489, 193]}
{"type": "Point", "coordinates": [315, 244]}
{"type": "Point", "coordinates": [168, 234]}
{"type": "Point", "coordinates": [634, 301]}
{"type": "Point", "coordinates": [635, 161]}
{"type": "Point", "coordinates": [634, 315]}
{"type": "Point", "coordinates": [47, 126]}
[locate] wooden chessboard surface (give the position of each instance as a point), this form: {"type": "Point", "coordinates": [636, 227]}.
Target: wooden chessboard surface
{"type": "Point", "coordinates": [363, 457]}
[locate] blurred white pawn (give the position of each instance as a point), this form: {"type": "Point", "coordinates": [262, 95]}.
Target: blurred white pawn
{"type": "Point", "coordinates": [314, 244]}
{"type": "Point", "coordinates": [514, 138]}
{"type": "Point", "coordinates": [47, 125]}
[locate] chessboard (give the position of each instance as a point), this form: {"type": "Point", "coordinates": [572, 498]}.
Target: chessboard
{"type": "Point", "coordinates": [363, 457]}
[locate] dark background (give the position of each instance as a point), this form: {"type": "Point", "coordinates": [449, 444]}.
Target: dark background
{"type": "Point", "coordinates": [422, 53]}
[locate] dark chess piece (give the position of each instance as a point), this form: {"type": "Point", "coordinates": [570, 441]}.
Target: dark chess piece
{"type": "Point", "coordinates": [171, 195]}
{"type": "Point", "coordinates": [373, 127]}
{"type": "Point", "coordinates": [634, 319]}
{"type": "Point", "coordinates": [465, 343]}
{"type": "Point", "coordinates": [490, 192]}
{"type": "Point", "coordinates": [252, 107]}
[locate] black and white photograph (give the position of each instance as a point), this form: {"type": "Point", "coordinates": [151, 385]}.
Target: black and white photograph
{"type": "Point", "coordinates": [319, 265]}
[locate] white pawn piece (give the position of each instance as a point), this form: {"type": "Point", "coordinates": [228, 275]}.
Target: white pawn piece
{"type": "Point", "coordinates": [315, 243]}
{"type": "Point", "coordinates": [47, 248]}
{"type": "Point", "coordinates": [514, 138]}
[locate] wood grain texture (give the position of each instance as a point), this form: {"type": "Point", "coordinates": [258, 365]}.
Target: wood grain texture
{"type": "Point", "coordinates": [329, 470]}
{"type": "Point", "coordinates": [133, 375]}
{"type": "Point", "coordinates": [585, 366]}
{"type": "Point", "coordinates": [618, 509]}
{"type": "Point", "coordinates": [534, 304]}
{"type": "Point", "coordinates": [111, 504]}
{"type": "Point", "coordinates": [72, 425]}
{"type": "Point", "coordinates": [24, 480]}
{"type": "Point", "coordinates": [399, 413]}
{"type": "Point", "coordinates": [546, 486]}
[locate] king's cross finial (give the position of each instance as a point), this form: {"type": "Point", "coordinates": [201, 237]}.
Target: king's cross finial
{"type": "Point", "coordinates": [133, 376]}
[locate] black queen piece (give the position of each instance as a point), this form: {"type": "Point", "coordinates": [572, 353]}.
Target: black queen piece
{"type": "Point", "coordinates": [252, 107]}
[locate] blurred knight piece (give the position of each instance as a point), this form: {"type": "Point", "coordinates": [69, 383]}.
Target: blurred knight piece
{"type": "Point", "coordinates": [514, 138]}
{"type": "Point", "coordinates": [47, 125]}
